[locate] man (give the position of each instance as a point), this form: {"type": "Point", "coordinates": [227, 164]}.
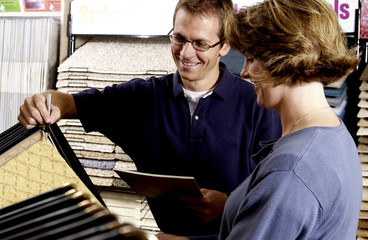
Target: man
{"type": "Point", "coordinates": [201, 121]}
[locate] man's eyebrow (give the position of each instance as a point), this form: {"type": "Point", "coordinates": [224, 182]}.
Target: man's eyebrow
{"type": "Point", "coordinates": [196, 40]}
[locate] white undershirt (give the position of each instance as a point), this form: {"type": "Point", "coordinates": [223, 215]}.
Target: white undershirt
{"type": "Point", "coordinates": [193, 98]}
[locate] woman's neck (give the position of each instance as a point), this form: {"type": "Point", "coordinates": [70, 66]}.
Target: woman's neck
{"type": "Point", "coordinates": [305, 106]}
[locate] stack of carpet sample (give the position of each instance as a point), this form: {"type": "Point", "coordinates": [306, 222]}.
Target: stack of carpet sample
{"type": "Point", "coordinates": [337, 97]}
{"type": "Point", "coordinates": [362, 134]}
{"type": "Point", "coordinates": [100, 62]}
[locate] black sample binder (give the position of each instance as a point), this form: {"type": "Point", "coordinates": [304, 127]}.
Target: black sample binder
{"type": "Point", "coordinates": [46, 193]}
{"type": "Point", "coordinates": [63, 213]}
{"type": "Point", "coordinates": [30, 164]}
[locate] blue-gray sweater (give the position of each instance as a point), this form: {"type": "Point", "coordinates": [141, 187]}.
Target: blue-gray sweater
{"type": "Point", "coordinates": [308, 187]}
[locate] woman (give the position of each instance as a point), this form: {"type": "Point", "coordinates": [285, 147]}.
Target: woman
{"type": "Point", "coordinates": [308, 183]}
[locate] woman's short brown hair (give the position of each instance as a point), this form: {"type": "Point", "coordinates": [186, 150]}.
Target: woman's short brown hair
{"type": "Point", "coordinates": [294, 41]}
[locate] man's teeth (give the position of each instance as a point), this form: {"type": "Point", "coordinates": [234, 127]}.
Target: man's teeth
{"type": "Point", "coordinates": [189, 64]}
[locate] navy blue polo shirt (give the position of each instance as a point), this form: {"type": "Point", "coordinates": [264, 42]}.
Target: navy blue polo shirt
{"type": "Point", "coordinates": [150, 120]}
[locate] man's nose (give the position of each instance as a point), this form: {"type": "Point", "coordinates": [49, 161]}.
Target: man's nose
{"type": "Point", "coordinates": [187, 49]}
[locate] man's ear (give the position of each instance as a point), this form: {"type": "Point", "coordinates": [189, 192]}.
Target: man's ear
{"type": "Point", "coordinates": [224, 49]}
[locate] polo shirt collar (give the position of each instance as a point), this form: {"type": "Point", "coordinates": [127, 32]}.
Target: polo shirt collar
{"type": "Point", "coordinates": [222, 89]}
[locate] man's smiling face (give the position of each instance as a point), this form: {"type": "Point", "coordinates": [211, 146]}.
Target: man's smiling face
{"type": "Point", "coordinates": [197, 68]}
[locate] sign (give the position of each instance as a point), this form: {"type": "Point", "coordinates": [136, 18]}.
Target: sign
{"type": "Point", "coordinates": [122, 17]}
{"type": "Point", "coordinates": [22, 6]}
{"type": "Point", "coordinates": [344, 9]}
{"type": "Point", "coordinates": [155, 18]}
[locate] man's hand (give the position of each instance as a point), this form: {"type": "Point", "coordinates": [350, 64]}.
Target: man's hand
{"type": "Point", "coordinates": [164, 236]}
{"type": "Point", "coordinates": [207, 208]}
{"type": "Point", "coordinates": [34, 110]}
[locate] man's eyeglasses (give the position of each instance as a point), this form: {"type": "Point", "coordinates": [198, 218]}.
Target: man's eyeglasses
{"type": "Point", "coordinates": [197, 45]}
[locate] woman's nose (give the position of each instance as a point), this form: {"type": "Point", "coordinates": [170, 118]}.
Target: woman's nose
{"type": "Point", "coordinates": [244, 72]}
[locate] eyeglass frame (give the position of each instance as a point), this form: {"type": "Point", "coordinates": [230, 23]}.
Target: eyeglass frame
{"type": "Point", "coordinates": [191, 42]}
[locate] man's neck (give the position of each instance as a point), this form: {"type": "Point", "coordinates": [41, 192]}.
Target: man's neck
{"type": "Point", "coordinates": [197, 87]}
{"type": "Point", "coordinates": [202, 84]}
